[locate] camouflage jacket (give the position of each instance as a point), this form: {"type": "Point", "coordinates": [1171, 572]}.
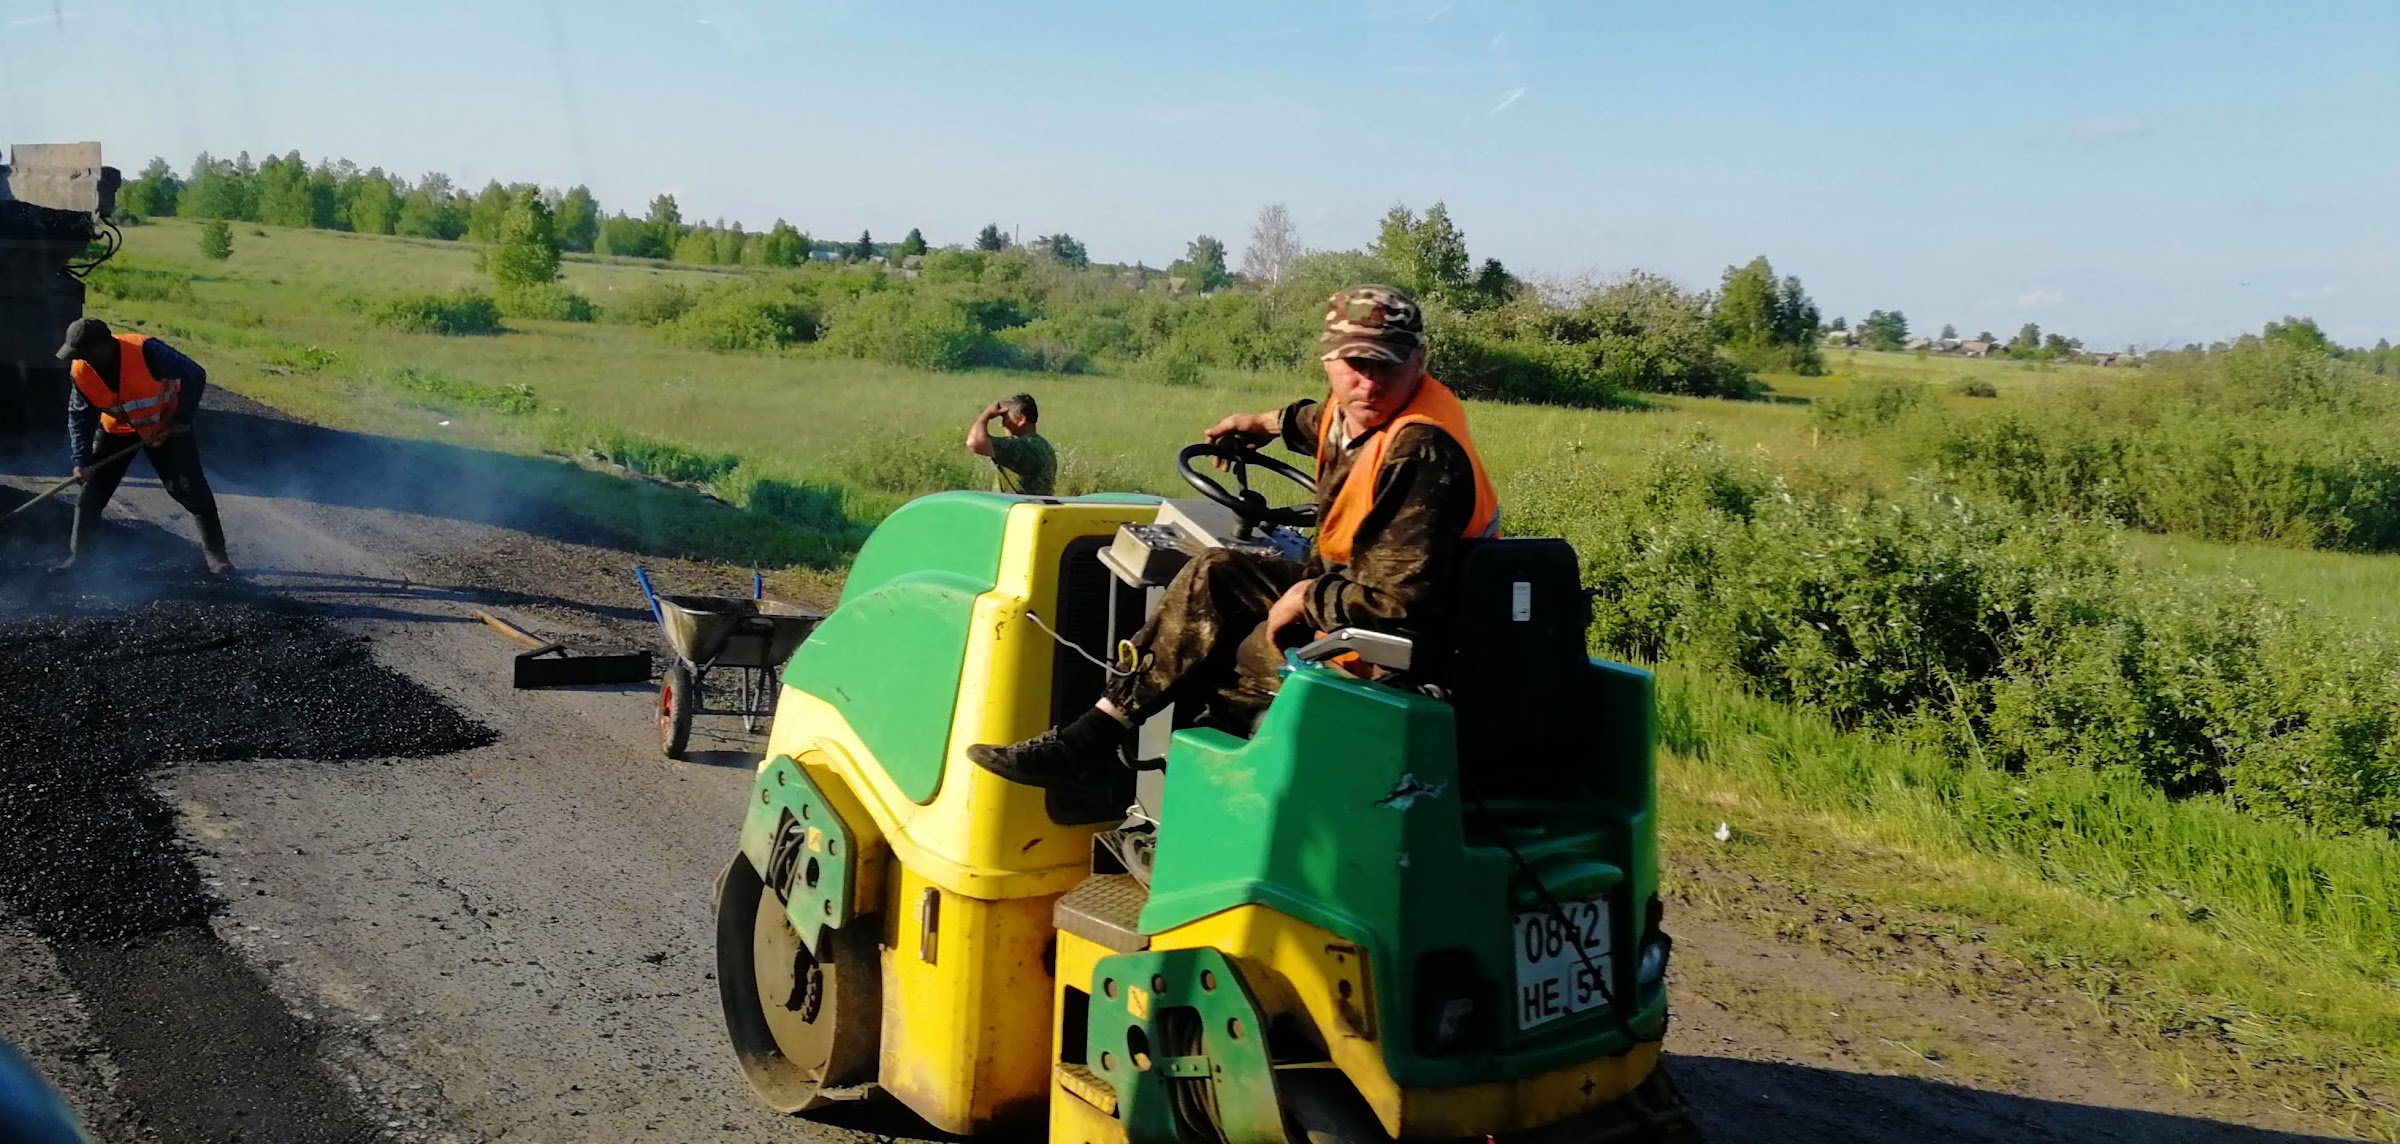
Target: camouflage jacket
{"type": "Point", "coordinates": [1404, 555]}
{"type": "Point", "coordinates": [1025, 465]}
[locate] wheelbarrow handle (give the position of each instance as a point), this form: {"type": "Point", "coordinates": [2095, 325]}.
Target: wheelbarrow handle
{"type": "Point", "coordinates": [656, 613]}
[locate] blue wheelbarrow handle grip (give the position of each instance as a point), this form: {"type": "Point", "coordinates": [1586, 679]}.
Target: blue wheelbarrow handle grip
{"type": "Point", "coordinates": [655, 613]}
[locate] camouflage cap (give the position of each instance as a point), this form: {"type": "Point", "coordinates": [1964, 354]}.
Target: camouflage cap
{"type": "Point", "coordinates": [1377, 323]}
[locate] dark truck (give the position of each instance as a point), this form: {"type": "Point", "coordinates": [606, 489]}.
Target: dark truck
{"type": "Point", "coordinates": [55, 202]}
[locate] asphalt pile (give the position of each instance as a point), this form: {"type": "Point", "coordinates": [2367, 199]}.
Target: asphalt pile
{"type": "Point", "coordinates": [136, 661]}
{"type": "Point", "coordinates": [96, 697]}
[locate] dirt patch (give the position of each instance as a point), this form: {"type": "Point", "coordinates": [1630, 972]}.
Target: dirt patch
{"type": "Point", "coordinates": [1800, 1017]}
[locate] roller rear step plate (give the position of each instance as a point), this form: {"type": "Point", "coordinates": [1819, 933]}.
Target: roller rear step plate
{"type": "Point", "coordinates": [546, 663]}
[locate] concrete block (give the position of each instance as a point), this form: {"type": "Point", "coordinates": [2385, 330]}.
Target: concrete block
{"type": "Point", "coordinates": [61, 176]}
{"type": "Point", "coordinates": [55, 155]}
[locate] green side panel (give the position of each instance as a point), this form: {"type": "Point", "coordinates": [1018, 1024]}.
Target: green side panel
{"type": "Point", "coordinates": [959, 533]}
{"type": "Point", "coordinates": [801, 847]}
{"type": "Point", "coordinates": [1342, 811]}
{"type": "Point", "coordinates": [1164, 1019]}
{"type": "Point", "coordinates": [890, 656]}
{"type": "Point", "coordinates": [889, 659]}
{"type": "Point", "coordinates": [1321, 843]}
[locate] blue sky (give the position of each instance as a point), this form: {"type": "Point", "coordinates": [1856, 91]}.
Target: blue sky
{"type": "Point", "coordinates": [2126, 172]}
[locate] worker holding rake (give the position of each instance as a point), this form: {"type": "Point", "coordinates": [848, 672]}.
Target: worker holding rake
{"type": "Point", "coordinates": [135, 393]}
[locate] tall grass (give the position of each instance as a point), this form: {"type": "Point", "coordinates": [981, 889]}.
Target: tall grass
{"type": "Point", "coordinates": [2105, 833]}
{"type": "Point", "coordinates": [2264, 442]}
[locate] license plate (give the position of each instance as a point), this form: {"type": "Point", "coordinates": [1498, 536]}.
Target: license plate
{"type": "Point", "coordinates": [1553, 980]}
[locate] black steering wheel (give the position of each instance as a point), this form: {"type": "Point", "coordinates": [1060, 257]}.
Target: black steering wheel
{"type": "Point", "coordinates": [1247, 504]}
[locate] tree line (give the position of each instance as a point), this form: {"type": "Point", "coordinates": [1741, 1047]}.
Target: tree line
{"type": "Point", "coordinates": [337, 194]}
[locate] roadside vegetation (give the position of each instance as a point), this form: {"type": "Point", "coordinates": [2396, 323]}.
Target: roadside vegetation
{"type": "Point", "coordinates": [2277, 438]}
{"type": "Point", "coordinates": [1962, 614]}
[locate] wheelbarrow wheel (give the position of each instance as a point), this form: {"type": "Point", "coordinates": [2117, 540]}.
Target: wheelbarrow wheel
{"type": "Point", "coordinates": [676, 698]}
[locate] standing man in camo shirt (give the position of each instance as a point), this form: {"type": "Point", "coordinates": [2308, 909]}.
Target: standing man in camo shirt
{"type": "Point", "coordinates": [1023, 461]}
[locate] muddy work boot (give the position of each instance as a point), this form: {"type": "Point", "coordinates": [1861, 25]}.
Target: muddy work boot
{"type": "Point", "coordinates": [1076, 755]}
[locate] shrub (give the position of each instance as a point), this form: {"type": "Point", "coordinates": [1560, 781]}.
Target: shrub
{"type": "Point", "coordinates": [2016, 640]}
{"type": "Point", "coordinates": [1235, 330]}
{"type": "Point", "coordinates": [917, 329]}
{"type": "Point", "coordinates": [1043, 348]}
{"type": "Point", "coordinates": [1524, 370]}
{"type": "Point", "coordinates": [546, 301]}
{"type": "Point", "coordinates": [740, 317]}
{"type": "Point", "coordinates": [2262, 443]}
{"type": "Point", "coordinates": [458, 312]}
{"type": "Point", "coordinates": [1870, 405]}
{"type": "Point", "coordinates": [216, 240]}
{"type": "Point", "coordinates": [1166, 369]}
{"type": "Point", "coordinates": [1089, 331]}
{"type": "Point", "coordinates": [954, 266]}
{"type": "Point", "coordinates": [1645, 333]}
{"type": "Point", "coordinates": [1974, 387]}
{"type": "Point", "coordinates": [650, 304]}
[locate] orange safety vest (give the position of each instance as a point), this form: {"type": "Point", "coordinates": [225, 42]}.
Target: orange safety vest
{"type": "Point", "coordinates": [1434, 405]}
{"type": "Point", "coordinates": [141, 404]}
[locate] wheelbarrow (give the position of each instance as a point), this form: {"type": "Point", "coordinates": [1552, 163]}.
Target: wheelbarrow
{"type": "Point", "coordinates": [750, 637]}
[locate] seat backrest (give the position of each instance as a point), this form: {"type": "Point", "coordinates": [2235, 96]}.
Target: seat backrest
{"type": "Point", "coordinates": [1517, 665]}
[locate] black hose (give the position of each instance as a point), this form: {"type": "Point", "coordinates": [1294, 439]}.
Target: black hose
{"type": "Point", "coordinates": [112, 240]}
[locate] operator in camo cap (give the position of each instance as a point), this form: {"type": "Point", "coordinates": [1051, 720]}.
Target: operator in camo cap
{"type": "Point", "coordinates": [1398, 488]}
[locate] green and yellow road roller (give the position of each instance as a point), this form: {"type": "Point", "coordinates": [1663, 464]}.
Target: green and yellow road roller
{"type": "Point", "coordinates": [1418, 900]}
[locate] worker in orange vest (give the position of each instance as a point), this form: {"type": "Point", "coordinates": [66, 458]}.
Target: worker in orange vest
{"type": "Point", "coordinates": [133, 388]}
{"type": "Point", "coordinates": [1399, 486]}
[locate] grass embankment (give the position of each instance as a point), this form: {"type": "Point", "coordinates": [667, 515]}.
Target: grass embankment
{"type": "Point", "coordinates": [2181, 916]}
{"type": "Point", "coordinates": [1840, 836]}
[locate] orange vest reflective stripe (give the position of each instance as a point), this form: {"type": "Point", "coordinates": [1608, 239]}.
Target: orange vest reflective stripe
{"type": "Point", "coordinates": [1434, 405]}
{"type": "Point", "coordinates": [140, 404]}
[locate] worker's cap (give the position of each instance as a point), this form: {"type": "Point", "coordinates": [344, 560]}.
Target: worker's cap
{"type": "Point", "coordinates": [1376, 323]}
{"type": "Point", "coordinates": [83, 336]}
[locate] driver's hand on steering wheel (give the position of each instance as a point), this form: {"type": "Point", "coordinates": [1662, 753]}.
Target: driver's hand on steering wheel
{"type": "Point", "coordinates": [1246, 430]}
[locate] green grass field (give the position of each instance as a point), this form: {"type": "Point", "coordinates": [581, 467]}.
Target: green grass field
{"type": "Point", "coordinates": [2109, 898]}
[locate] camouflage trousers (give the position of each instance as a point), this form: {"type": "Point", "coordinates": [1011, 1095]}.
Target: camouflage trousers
{"type": "Point", "coordinates": [1208, 641]}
